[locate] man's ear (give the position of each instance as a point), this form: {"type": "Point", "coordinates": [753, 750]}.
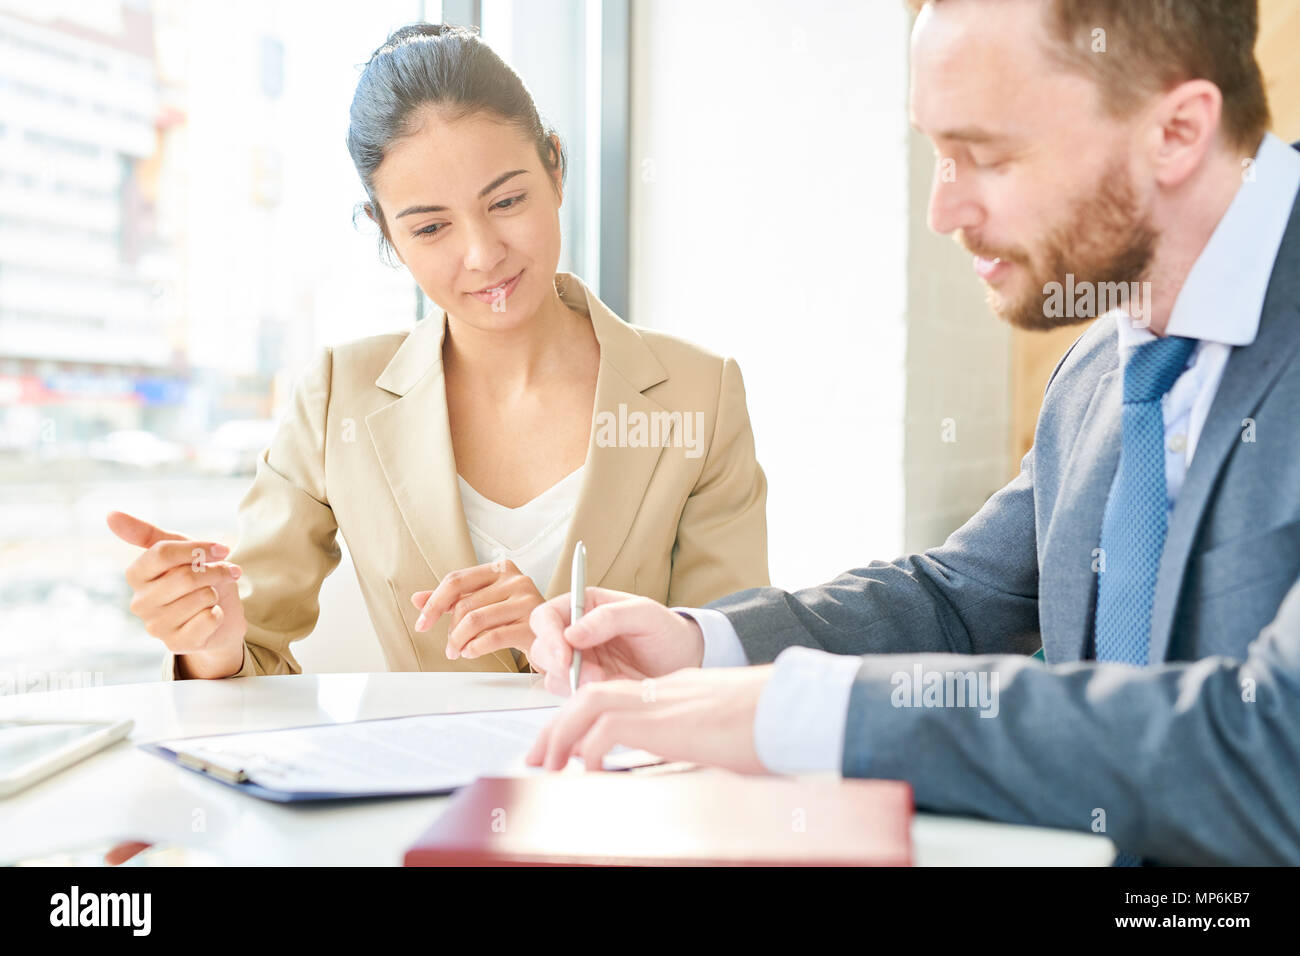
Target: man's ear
{"type": "Point", "coordinates": [1185, 126]}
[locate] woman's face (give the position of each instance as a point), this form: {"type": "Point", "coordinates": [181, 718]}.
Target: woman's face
{"type": "Point", "coordinates": [469, 207]}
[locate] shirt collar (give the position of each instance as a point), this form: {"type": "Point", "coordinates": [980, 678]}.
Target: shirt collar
{"type": "Point", "coordinates": [1223, 295]}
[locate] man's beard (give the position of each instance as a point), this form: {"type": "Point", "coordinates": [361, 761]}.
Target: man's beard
{"type": "Point", "coordinates": [1105, 240]}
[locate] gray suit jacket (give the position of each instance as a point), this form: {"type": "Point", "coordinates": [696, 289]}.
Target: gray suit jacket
{"type": "Point", "coordinates": [1195, 759]}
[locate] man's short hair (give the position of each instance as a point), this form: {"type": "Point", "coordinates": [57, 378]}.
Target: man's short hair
{"type": "Point", "coordinates": [1152, 45]}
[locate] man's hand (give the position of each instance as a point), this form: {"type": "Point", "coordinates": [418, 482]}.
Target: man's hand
{"type": "Point", "coordinates": [620, 636]}
{"type": "Point", "coordinates": [489, 606]}
{"type": "Point", "coordinates": [701, 716]}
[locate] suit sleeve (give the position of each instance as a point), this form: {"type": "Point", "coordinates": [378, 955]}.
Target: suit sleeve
{"type": "Point", "coordinates": [977, 593]}
{"type": "Point", "coordinates": [1184, 763]}
{"type": "Point", "coordinates": [721, 541]}
{"type": "Point", "coordinates": [287, 538]}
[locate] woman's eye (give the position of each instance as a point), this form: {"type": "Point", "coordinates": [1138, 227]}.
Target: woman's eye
{"type": "Point", "coordinates": [511, 202]}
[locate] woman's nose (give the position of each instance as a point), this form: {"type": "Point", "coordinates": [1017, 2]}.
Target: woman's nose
{"type": "Point", "coordinates": [484, 250]}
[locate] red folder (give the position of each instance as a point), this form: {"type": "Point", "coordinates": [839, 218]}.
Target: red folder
{"type": "Point", "coordinates": [697, 818]}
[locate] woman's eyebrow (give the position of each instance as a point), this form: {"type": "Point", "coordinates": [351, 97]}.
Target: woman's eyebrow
{"type": "Point", "coordinates": [412, 210]}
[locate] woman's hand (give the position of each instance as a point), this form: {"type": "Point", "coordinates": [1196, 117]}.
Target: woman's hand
{"type": "Point", "coordinates": [489, 606]}
{"type": "Point", "coordinates": [186, 596]}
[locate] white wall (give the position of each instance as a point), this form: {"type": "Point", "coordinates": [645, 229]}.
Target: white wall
{"type": "Point", "coordinates": [770, 223]}
{"type": "Point", "coordinates": [957, 445]}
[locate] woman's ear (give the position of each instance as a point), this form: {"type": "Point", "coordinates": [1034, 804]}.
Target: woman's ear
{"type": "Point", "coordinates": [557, 176]}
{"type": "Point", "coordinates": [369, 210]}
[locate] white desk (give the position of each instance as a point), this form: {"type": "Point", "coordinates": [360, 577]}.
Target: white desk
{"type": "Point", "coordinates": [122, 793]}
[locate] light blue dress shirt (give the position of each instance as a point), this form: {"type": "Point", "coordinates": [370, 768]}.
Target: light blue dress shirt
{"type": "Point", "coordinates": [800, 721]}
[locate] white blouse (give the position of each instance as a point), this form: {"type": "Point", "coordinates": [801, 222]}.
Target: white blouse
{"type": "Point", "coordinates": [532, 535]}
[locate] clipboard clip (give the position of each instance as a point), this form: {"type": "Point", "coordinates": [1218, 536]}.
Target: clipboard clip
{"type": "Point", "coordinates": [232, 775]}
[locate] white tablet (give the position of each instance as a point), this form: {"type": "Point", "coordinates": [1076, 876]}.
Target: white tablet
{"type": "Point", "coordinates": [33, 749]}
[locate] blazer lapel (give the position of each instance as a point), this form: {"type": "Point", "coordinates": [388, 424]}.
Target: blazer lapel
{"type": "Point", "coordinates": [1249, 374]}
{"type": "Point", "coordinates": [616, 476]}
{"type": "Point", "coordinates": [1068, 548]}
{"type": "Point", "coordinates": [412, 438]}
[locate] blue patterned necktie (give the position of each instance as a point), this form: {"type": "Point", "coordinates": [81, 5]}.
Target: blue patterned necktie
{"type": "Point", "coordinates": [1133, 529]}
{"type": "Point", "coordinates": [1134, 526]}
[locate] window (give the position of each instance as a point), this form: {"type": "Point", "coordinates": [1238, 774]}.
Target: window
{"type": "Point", "coordinates": [176, 243]}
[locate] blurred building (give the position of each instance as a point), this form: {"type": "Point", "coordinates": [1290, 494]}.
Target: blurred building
{"type": "Point", "coordinates": [89, 328]}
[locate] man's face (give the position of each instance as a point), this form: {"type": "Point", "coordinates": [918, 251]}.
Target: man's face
{"type": "Point", "coordinates": [469, 206]}
{"type": "Point", "coordinates": [1032, 176]}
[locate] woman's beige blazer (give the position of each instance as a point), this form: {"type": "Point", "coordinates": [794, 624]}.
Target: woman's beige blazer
{"type": "Point", "coordinates": [672, 504]}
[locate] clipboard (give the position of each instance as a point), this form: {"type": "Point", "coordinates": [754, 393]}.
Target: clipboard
{"type": "Point", "coordinates": [238, 779]}
{"type": "Point", "coordinates": [232, 773]}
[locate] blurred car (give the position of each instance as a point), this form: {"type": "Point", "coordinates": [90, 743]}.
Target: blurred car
{"type": "Point", "coordinates": [138, 449]}
{"type": "Point", "coordinates": [234, 447]}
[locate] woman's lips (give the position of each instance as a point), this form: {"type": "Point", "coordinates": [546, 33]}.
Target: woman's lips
{"type": "Point", "coordinates": [498, 292]}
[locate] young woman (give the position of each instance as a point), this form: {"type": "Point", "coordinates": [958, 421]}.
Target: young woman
{"type": "Point", "coordinates": [462, 460]}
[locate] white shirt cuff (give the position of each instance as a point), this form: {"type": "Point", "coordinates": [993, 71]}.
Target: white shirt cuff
{"type": "Point", "coordinates": [722, 647]}
{"type": "Point", "coordinates": [801, 715]}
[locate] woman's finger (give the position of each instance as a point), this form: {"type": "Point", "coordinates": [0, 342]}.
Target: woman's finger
{"type": "Point", "coordinates": [162, 556]}
{"type": "Point", "coordinates": [178, 582]}
{"type": "Point", "coordinates": [193, 634]}
{"type": "Point", "coordinates": [481, 619]}
{"type": "Point", "coordinates": [137, 531]}
{"type": "Point", "coordinates": [171, 616]}
{"type": "Point", "coordinates": [452, 587]}
{"type": "Point", "coordinates": [491, 594]}
{"type": "Point", "coordinates": [498, 639]}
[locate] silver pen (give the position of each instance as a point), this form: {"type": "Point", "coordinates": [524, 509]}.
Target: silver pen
{"type": "Point", "coordinates": [577, 606]}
